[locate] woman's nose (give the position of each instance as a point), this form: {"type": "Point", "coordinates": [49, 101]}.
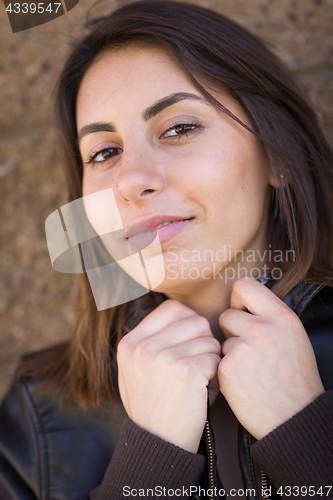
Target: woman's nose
{"type": "Point", "coordinates": [139, 176]}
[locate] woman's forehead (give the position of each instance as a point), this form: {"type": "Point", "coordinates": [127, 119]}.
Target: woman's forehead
{"type": "Point", "coordinates": [133, 75]}
{"type": "Point", "coordinates": [135, 64]}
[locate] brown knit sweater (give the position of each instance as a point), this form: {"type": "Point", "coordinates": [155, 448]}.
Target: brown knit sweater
{"type": "Point", "coordinates": [297, 453]}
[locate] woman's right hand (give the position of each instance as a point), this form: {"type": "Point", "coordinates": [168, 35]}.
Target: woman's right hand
{"type": "Point", "coordinates": [164, 367]}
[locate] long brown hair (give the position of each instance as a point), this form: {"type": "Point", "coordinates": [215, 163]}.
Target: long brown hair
{"type": "Point", "coordinates": [213, 52]}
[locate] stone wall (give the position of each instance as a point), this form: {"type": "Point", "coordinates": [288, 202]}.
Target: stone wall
{"type": "Point", "coordinates": [36, 303]}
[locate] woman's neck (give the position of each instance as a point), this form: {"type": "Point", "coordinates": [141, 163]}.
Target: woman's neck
{"type": "Point", "coordinates": [210, 299]}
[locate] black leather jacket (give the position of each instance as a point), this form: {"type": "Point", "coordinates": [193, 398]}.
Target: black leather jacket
{"type": "Point", "coordinates": [48, 453]}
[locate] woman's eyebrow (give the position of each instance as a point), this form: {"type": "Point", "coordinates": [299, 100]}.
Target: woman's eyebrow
{"type": "Point", "coordinates": [95, 127]}
{"type": "Point", "coordinates": [168, 101]}
{"type": "Point", "coordinates": [147, 114]}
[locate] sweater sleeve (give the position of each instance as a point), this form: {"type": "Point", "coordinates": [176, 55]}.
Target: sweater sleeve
{"type": "Point", "coordinates": [299, 452]}
{"type": "Point", "coordinates": [142, 460]}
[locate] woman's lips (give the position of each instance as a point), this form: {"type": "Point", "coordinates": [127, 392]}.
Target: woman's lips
{"type": "Point", "coordinates": [141, 240]}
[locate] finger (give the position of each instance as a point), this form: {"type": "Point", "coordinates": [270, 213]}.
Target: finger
{"type": "Point", "coordinates": [248, 293]}
{"type": "Point", "coordinates": [165, 314]}
{"type": "Point", "coordinates": [204, 345]}
{"type": "Point", "coordinates": [234, 322]}
{"type": "Point", "coordinates": [208, 365]}
{"type": "Point", "coordinates": [180, 331]}
{"type": "Point", "coordinates": [229, 344]}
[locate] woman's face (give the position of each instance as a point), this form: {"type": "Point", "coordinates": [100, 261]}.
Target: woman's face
{"type": "Point", "coordinates": [148, 134]}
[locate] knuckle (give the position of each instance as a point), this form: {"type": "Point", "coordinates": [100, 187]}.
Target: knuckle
{"type": "Point", "coordinates": [226, 367]}
{"type": "Point", "coordinates": [285, 314]}
{"type": "Point", "coordinates": [259, 330]}
{"type": "Point", "coordinates": [202, 324]}
{"type": "Point", "coordinates": [173, 305]}
{"type": "Point", "coordinates": [216, 360]}
{"type": "Point", "coordinates": [230, 363]}
{"type": "Point", "coordinates": [124, 346]}
{"type": "Point", "coordinates": [216, 344]}
{"type": "Point", "coordinates": [225, 316]}
{"type": "Point", "coordinates": [176, 308]}
{"type": "Point", "coordinates": [237, 285]}
{"type": "Point", "coordinates": [145, 350]}
{"type": "Point", "coordinates": [243, 350]}
{"type": "Point", "coordinates": [167, 357]}
{"type": "Point", "coordinates": [185, 368]}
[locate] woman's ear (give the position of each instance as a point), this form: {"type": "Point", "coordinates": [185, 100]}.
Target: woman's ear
{"type": "Point", "coordinates": [275, 178]}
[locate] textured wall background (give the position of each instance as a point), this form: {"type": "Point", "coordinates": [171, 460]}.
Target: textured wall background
{"type": "Point", "coordinates": [36, 303]}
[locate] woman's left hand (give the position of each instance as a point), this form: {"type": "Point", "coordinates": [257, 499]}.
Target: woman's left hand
{"type": "Point", "coordinates": [269, 371]}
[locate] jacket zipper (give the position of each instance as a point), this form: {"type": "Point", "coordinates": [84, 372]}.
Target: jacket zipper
{"type": "Point", "coordinates": [264, 479]}
{"type": "Point", "coordinates": [264, 485]}
{"type": "Point", "coordinates": [210, 457]}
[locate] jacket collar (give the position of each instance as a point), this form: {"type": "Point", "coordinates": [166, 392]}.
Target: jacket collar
{"type": "Point", "coordinates": [297, 299]}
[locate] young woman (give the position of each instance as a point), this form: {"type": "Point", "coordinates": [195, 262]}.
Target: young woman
{"type": "Point", "coordinates": [202, 136]}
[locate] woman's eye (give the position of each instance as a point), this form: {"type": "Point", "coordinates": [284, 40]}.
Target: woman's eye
{"type": "Point", "coordinates": [181, 129]}
{"type": "Point", "coordinates": [104, 154]}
